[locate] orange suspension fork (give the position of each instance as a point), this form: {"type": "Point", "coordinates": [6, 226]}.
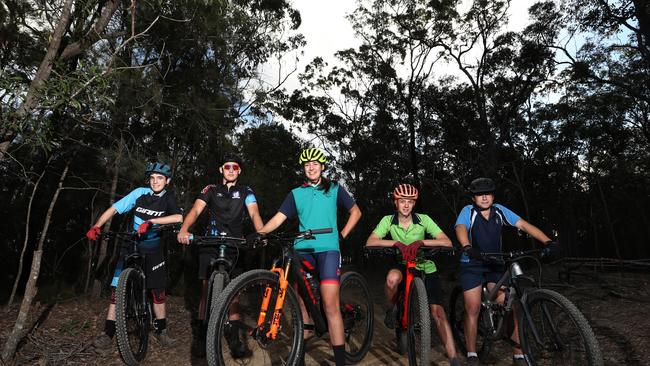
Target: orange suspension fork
{"type": "Point", "coordinates": [279, 302]}
{"type": "Point", "coordinates": [409, 277]}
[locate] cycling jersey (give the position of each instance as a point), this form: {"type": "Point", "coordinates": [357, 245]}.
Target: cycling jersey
{"type": "Point", "coordinates": [485, 233]}
{"type": "Point", "coordinates": [147, 205]}
{"type": "Point", "coordinates": [226, 207]}
{"type": "Point", "coordinates": [422, 224]}
{"type": "Point", "coordinates": [317, 209]}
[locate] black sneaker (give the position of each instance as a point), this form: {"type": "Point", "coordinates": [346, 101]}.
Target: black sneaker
{"type": "Point", "coordinates": [198, 347]}
{"type": "Point", "coordinates": [391, 317]}
{"type": "Point", "coordinates": [238, 349]}
{"type": "Point", "coordinates": [472, 361]}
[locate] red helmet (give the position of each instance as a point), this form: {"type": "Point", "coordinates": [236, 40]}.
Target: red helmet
{"type": "Point", "coordinates": [405, 191]}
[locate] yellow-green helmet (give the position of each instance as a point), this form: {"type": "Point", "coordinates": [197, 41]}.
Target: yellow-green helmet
{"type": "Point", "coordinates": [312, 154]}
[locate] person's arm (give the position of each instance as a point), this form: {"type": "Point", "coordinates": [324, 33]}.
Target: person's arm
{"type": "Point", "coordinates": [375, 241]}
{"type": "Point", "coordinates": [105, 216]}
{"type": "Point", "coordinates": [171, 219]}
{"type": "Point", "coordinates": [440, 240]}
{"type": "Point", "coordinates": [273, 223]}
{"type": "Point", "coordinates": [532, 230]}
{"type": "Point", "coordinates": [461, 235]}
{"type": "Point", "coordinates": [353, 219]}
{"type": "Point", "coordinates": [183, 236]}
{"type": "Point", "coordinates": [254, 213]}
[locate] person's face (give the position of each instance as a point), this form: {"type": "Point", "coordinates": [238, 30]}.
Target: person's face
{"type": "Point", "coordinates": [483, 200]}
{"type": "Point", "coordinates": [405, 206]}
{"type": "Point", "coordinates": [230, 171]}
{"type": "Point", "coordinates": [313, 171]}
{"type": "Point", "coordinates": [157, 182]}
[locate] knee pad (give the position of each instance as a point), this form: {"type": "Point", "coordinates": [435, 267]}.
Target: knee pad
{"type": "Point", "coordinates": [158, 295]}
{"type": "Point", "coordinates": [113, 295]}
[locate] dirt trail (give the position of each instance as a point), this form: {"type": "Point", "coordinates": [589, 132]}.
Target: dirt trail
{"type": "Point", "coordinates": [615, 306]}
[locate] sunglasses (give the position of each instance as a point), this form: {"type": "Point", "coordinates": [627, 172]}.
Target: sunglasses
{"type": "Point", "coordinates": [234, 167]}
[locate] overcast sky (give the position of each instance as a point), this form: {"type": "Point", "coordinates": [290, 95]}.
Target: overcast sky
{"type": "Point", "coordinates": [326, 31]}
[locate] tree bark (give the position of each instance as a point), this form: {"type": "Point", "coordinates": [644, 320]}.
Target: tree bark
{"type": "Point", "coordinates": [18, 331]}
{"type": "Point", "coordinates": [45, 68]}
{"type": "Point", "coordinates": [608, 221]}
{"type": "Point", "coordinates": [22, 253]}
{"type": "Point", "coordinates": [97, 283]}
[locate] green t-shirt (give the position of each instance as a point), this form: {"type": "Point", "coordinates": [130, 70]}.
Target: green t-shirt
{"type": "Point", "coordinates": [422, 224]}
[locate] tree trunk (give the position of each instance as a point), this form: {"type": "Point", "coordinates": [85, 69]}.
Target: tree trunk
{"type": "Point", "coordinates": [97, 283]}
{"type": "Point", "coordinates": [22, 253]}
{"type": "Point", "coordinates": [608, 222]}
{"type": "Point", "coordinates": [91, 248]}
{"type": "Point", "coordinates": [18, 331]}
{"type": "Point", "coordinates": [42, 74]}
{"type": "Point", "coordinates": [531, 240]}
{"type": "Point", "coordinates": [45, 68]}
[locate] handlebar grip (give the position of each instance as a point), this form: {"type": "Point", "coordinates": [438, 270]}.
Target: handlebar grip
{"type": "Point", "coordinates": [191, 237]}
{"type": "Point", "coordinates": [321, 231]}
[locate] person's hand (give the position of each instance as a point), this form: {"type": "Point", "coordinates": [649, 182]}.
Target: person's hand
{"type": "Point", "coordinates": [255, 239]}
{"type": "Point", "coordinates": [472, 252]}
{"type": "Point", "coordinates": [403, 248]}
{"type": "Point", "coordinates": [550, 250]}
{"type": "Point", "coordinates": [412, 249]}
{"type": "Point", "coordinates": [144, 227]}
{"type": "Point", "coordinates": [93, 233]}
{"type": "Point", "coordinates": [183, 237]}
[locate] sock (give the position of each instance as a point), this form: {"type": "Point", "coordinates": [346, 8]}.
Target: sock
{"type": "Point", "coordinates": [472, 354]}
{"type": "Point", "coordinates": [109, 328]}
{"type": "Point", "coordinates": [339, 355]}
{"type": "Point", "coordinates": [518, 355]}
{"type": "Point", "coordinates": [159, 325]}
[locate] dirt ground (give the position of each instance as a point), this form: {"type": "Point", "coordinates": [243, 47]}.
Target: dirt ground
{"type": "Point", "coordinates": [616, 305]}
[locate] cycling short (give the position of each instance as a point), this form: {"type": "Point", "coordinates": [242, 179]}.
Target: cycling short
{"type": "Point", "coordinates": [474, 276]}
{"type": "Point", "coordinates": [206, 255]}
{"type": "Point", "coordinates": [431, 284]}
{"type": "Point", "coordinates": [328, 265]}
{"type": "Point", "coordinates": [154, 267]}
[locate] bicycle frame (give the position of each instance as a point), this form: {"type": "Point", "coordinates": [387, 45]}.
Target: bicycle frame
{"type": "Point", "coordinates": [410, 269]}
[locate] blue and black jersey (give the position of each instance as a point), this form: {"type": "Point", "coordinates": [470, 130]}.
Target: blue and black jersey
{"type": "Point", "coordinates": [146, 206]}
{"type": "Point", "coordinates": [485, 233]}
{"type": "Point", "coordinates": [226, 207]}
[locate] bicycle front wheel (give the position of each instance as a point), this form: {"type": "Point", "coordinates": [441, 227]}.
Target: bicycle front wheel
{"type": "Point", "coordinates": [132, 316]}
{"type": "Point", "coordinates": [357, 313]}
{"type": "Point", "coordinates": [555, 332]}
{"type": "Point", "coordinates": [419, 324]}
{"type": "Point", "coordinates": [215, 287]}
{"type": "Point", "coordinates": [243, 298]}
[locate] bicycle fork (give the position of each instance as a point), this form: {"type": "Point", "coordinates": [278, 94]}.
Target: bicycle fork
{"type": "Point", "coordinates": [279, 302]}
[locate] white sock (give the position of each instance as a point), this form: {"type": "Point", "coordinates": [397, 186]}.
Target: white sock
{"type": "Point", "coordinates": [472, 354]}
{"type": "Point", "coordinates": [517, 356]}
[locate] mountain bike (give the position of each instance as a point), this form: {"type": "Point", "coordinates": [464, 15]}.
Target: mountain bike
{"type": "Point", "coordinates": [221, 266]}
{"type": "Point", "coordinates": [133, 308]}
{"type": "Point", "coordinates": [270, 311]}
{"type": "Point", "coordinates": [552, 331]}
{"type": "Point", "coordinates": [413, 331]}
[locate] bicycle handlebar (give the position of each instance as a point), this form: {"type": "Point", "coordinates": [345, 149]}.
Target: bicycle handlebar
{"type": "Point", "coordinates": [512, 254]}
{"type": "Point", "coordinates": [216, 240]}
{"type": "Point", "coordinates": [428, 251]}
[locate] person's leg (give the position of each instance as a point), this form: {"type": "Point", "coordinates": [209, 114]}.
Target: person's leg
{"type": "Point", "coordinates": [471, 282]}
{"type": "Point", "coordinates": [329, 268]}
{"type": "Point", "coordinates": [435, 297]}
{"type": "Point", "coordinates": [516, 350]}
{"type": "Point", "coordinates": [391, 287]}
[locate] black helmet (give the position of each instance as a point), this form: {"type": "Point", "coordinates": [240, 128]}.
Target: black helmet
{"type": "Point", "coordinates": [160, 168]}
{"type": "Point", "coordinates": [229, 156]}
{"type": "Point", "coordinates": [482, 185]}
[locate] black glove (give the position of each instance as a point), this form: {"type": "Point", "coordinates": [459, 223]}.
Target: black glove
{"type": "Point", "coordinates": [472, 252]}
{"type": "Point", "coordinates": [255, 238]}
{"type": "Point", "coordinates": [550, 250]}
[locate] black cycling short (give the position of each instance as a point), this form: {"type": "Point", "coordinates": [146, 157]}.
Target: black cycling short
{"type": "Point", "coordinates": [207, 254]}
{"type": "Point", "coordinates": [154, 267]}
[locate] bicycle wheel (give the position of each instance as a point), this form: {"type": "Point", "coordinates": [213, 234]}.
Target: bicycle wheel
{"type": "Point", "coordinates": [132, 316]}
{"type": "Point", "coordinates": [215, 287]}
{"type": "Point", "coordinates": [419, 324]}
{"type": "Point", "coordinates": [457, 323]}
{"type": "Point", "coordinates": [247, 292]}
{"type": "Point", "coordinates": [357, 312]}
{"type": "Point", "coordinates": [564, 335]}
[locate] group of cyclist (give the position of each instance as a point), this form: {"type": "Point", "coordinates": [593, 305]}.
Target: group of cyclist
{"type": "Point", "coordinates": [315, 204]}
